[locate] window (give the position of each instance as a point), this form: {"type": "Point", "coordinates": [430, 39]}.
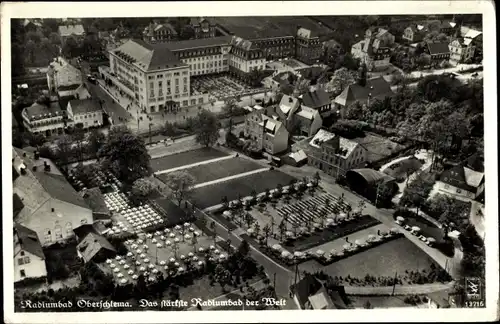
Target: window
{"type": "Point", "coordinates": [83, 221]}
{"type": "Point", "coordinates": [48, 235]}
{"type": "Point", "coordinates": [69, 229]}
{"type": "Point", "coordinates": [176, 81]}
{"type": "Point", "coordinates": [459, 190]}
{"type": "Point", "coordinates": [20, 261]}
{"type": "Point", "coordinates": [22, 273]}
{"type": "Point", "coordinates": [58, 232]}
{"type": "Point", "coordinates": [21, 253]}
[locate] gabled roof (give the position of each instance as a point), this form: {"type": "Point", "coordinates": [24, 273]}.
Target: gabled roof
{"type": "Point", "coordinates": [246, 45]}
{"type": "Point", "coordinates": [473, 178]}
{"type": "Point", "coordinates": [71, 30]}
{"type": "Point", "coordinates": [196, 21]}
{"type": "Point", "coordinates": [92, 244]}
{"type": "Point", "coordinates": [39, 111]}
{"type": "Point", "coordinates": [28, 240]}
{"type": "Point", "coordinates": [321, 300]}
{"type": "Point", "coordinates": [305, 33]}
{"type": "Point", "coordinates": [84, 106]}
{"type": "Point", "coordinates": [376, 88]}
{"type": "Point", "coordinates": [315, 99]}
{"type": "Point", "coordinates": [438, 48]}
{"type": "Point", "coordinates": [95, 199]}
{"type": "Point", "coordinates": [305, 288]}
{"type": "Point", "coordinates": [287, 103]}
{"type": "Point", "coordinates": [17, 204]}
{"type": "Point", "coordinates": [59, 188]}
{"type": "Point", "coordinates": [197, 43]}
{"type": "Point", "coordinates": [467, 32]}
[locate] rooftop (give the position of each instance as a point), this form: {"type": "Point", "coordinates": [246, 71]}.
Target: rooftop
{"type": "Point", "coordinates": [28, 240]}
{"type": "Point", "coordinates": [376, 88]}
{"type": "Point", "coordinates": [315, 99]}
{"type": "Point", "coordinates": [438, 48]}
{"type": "Point", "coordinates": [94, 198]}
{"type": "Point", "coordinates": [39, 111]}
{"type": "Point", "coordinates": [84, 106]}
{"type": "Point", "coordinates": [68, 30]}
{"type": "Point", "coordinates": [92, 244]}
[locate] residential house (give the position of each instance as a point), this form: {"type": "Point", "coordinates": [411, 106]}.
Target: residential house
{"type": "Point", "coordinates": [318, 100]}
{"type": "Point", "coordinates": [75, 91]}
{"type": "Point", "coordinates": [448, 27]}
{"type": "Point", "coordinates": [95, 247]}
{"type": "Point", "coordinates": [44, 119]}
{"type": "Point", "coordinates": [203, 28]}
{"type": "Point", "coordinates": [286, 110]}
{"type": "Point", "coordinates": [52, 207]}
{"type": "Point", "coordinates": [308, 47]}
{"type": "Point", "coordinates": [438, 51]}
{"type": "Point", "coordinates": [306, 121]}
{"type": "Point", "coordinates": [335, 155]}
{"type": "Point", "coordinates": [75, 31]}
{"type": "Point", "coordinates": [310, 293]}
{"type": "Point", "coordinates": [97, 227]}
{"type": "Point", "coordinates": [267, 133]}
{"type": "Point", "coordinates": [156, 32]}
{"type": "Point", "coordinates": [461, 182]}
{"type": "Point", "coordinates": [32, 25]}
{"type": "Point", "coordinates": [375, 49]}
{"type": "Point", "coordinates": [246, 56]}
{"type": "Point", "coordinates": [62, 74]}
{"type": "Point", "coordinates": [374, 89]}
{"type": "Point", "coordinates": [415, 33]}
{"type": "Point", "coordinates": [87, 112]}
{"type": "Point", "coordinates": [29, 259]}
{"type": "Point", "coordinates": [95, 200]}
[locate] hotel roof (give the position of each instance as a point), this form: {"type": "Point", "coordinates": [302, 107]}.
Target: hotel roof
{"type": "Point", "coordinates": [84, 106]}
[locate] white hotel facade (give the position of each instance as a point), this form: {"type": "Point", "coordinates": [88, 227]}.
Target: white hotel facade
{"type": "Point", "coordinates": [157, 76]}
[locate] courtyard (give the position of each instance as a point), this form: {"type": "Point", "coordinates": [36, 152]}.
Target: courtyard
{"type": "Point", "coordinates": [221, 86]}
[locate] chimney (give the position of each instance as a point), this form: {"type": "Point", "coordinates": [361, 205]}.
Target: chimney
{"type": "Point", "coordinates": [34, 168]}
{"type": "Point", "coordinates": [24, 154]}
{"type": "Point", "coordinates": [23, 170]}
{"type": "Point", "coordinates": [37, 155]}
{"type": "Point", "coordinates": [290, 100]}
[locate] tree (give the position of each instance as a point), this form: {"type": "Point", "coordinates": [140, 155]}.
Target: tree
{"type": "Point", "coordinates": [96, 140]}
{"type": "Point", "coordinates": [64, 148]}
{"type": "Point", "coordinates": [282, 228]}
{"type": "Point", "coordinates": [256, 228]}
{"type": "Point", "coordinates": [78, 137]}
{"type": "Point", "coordinates": [180, 184]}
{"type": "Point", "coordinates": [71, 48]}
{"type": "Point", "coordinates": [342, 78]}
{"type": "Point", "coordinates": [244, 248]}
{"type": "Point", "coordinates": [30, 49]}
{"type": "Point", "coordinates": [436, 36]}
{"type": "Point", "coordinates": [267, 231]}
{"type": "Point", "coordinates": [222, 275]}
{"type": "Point", "coordinates": [206, 130]}
{"type": "Point", "coordinates": [142, 189]}
{"type": "Point", "coordinates": [361, 206]}
{"type": "Point", "coordinates": [423, 60]}
{"type": "Point", "coordinates": [301, 86]}
{"type": "Point", "coordinates": [116, 154]}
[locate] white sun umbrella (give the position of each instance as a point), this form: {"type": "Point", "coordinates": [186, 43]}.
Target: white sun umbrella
{"type": "Point", "coordinates": [122, 262]}
{"type": "Point", "coordinates": [216, 251]}
{"type": "Point", "coordinates": [163, 238]}
{"type": "Point", "coordinates": [178, 227]}
{"type": "Point", "coordinates": [159, 245]}
{"type": "Point", "coordinates": [431, 240]}
{"type": "Point", "coordinates": [140, 241]}
{"type": "Point", "coordinates": [177, 240]}
{"type": "Point", "coordinates": [145, 246]}
{"type": "Point", "coordinates": [212, 247]}
{"type": "Point", "coordinates": [288, 233]}
{"type": "Point", "coordinates": [171, 235]}
{"type": "Point", "coordinates": [222, 256]}
{"type": "Point", "coordinates": [195, 258]}
{"type": "Point", "coordinates": [191, 229]}
{"type": "Point", "coordinates": [226, 213]}
{"type": "Point", "coordinates": [130, 272]}
{"type": "Point", "coordinates": [342, 216]}
{"type": "Point", "coordinates": [346, 246]}
{"type": "Point", "coordinates": [157, 233]}
{"type": "Point", "coordinates": [309, 185]}
{"type": "Point", "coordinates": [359, 242]}
{"type": "Point", "coordinates": [137, 263]}
{"type": "Point", "coordinates": [151, 266]}
{"type": "Point", "coordinates": [400, 218]}
{"type": "Point", "coordinates": [151, 279]}
{"type": "Point", "coordinates": [117, 231]}
{"type": "Point", "coordinates": [187, 236]}
{"type": "Point", "coordinates": [126, 266]}
{"type": "Point", "coordinates": [112, 265]}
{"type": "Point", "coordinates": [168, 243]}
{"type": "Point", "coordinates": [124, 229]}
{"type": "Point", "coordinates": [172, 260]}
{"type": "Point", "coordinates": [149, 235]}
{"type": "Point", "coordinates": [154, 240]}
{"type": "Point", "coordinates": [187, 224]}
{"type": "Point", "coordinates": [165, 267]}
{"type": "Point", "coordinates": [109, 261]}
{"type": "Point", "coordinates": [180, 269]}
{"type": "Point", "coordinates": [167, 230]}
{"type": "Point", "coordinates": [176, 264]}
{"type": "Point", "coordinates": [182, 257]}
{"type": "Point", "coordinates": [111, 232]}
{"type": "Point", "coordinates": [116, 270]}
{"type": "Point", "coordinates": [146, 260]}
{"type": "Point", "coordinates": [285, 254]}
{"type": "Point", "coordinates": [154, 271]}
{"type": "Point", "coordinates": [250, 231]}
{"type": "Point", "coordinates": [200, 249]}
{"type": "Point", "coordinates": [298, 254]}
{"type": "Point", "coordinates": [135, 277]}
{"type": "Point", "coordinates": [276, 247]}
{"type": "Point", "coordinates": [190, 254]}
{"type": "Point", "coordinates": [320, 252]}
{"type": "Point", "coordinates": [200, 263]}
{"type": "Point", "coordinates": [120, 275]}
{"type": "Point", "coordinates": [142, 269]}
{"type": "Point", "coordinates": [142, 255]}
{"type": "Point", "coordinates": [415, 228]}
{"type": "Point", "coordinates": [196, 233]}
{"type": "Point", "coordinates": [162, 263]}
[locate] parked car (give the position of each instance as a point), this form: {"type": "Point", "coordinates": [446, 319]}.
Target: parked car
{"type": "Point", "coordinates": [422, 238]}
{"type": "Point", "coordinates": [408, 228]}
{"type": "Point", "coordinates": [91, 78]}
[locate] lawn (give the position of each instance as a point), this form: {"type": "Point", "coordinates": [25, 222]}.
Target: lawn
{"type": "Point", "coordinates": [262, 27]}
{"type": "Point", "coordinates": [384, 260]}
{"type": "Point", "coordinates": [220, 169]}
{"type": "Point", "coordinates": [211, 195]}
{"type": "Point", "coordinates": [185, 158]}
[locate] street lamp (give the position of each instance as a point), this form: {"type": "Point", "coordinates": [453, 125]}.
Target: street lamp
{"type": "Point", "coordinates": [150, 124]}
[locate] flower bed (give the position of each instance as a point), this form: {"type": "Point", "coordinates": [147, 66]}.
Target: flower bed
{"type": "Point", "coordinates": [342, 255]}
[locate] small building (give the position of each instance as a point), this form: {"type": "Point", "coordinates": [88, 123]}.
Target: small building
{"type": "Point", "coordinates": [86, 112]}
{"type": "Point", "coordinates": [439, 51]}
{"type": "Point", "coordinates": [75, 31]}
{"type": "Point", "coordinates": [203, 28]}
{"type": "Point", "coordinates": [374, 89]}
{"type": "Point", "coordinates": [318, 100]}
{"type": "Point", "coordinates": [267, 133]}
{"type": "Point", "coordinates": [310, 293]}
{"type": "Point", "coordinates": [335, 155]}
{"type": "Point", "coordinates": [366, 182]}
{"type": "Point", "coordinates": [95, 200]}
{"type": "Point", "coordinates": [246, 56]}
{"type": "Point", "coordinates": [461, 50]}
{"type": "Point", "coordinates": [308, 48]}
{"type": "Point", "coordinates": [296, 159]}
{"type": "Point", "coordinates": [415, 33]}
{"type": "Point", "coordinates": [461, 182]}
{"type": "Point", "coordinates": [448, 27]}
{"type": "Point", "coordinates": [375, 49]}
{"type": "Point", "coordinates": [29, 259]}
{"type": "Point", "coordinates": [306, 121]}
{"type": "Point", "coordinates": [62, 74]}
{"type": "Point", "coordinates": [155, 33]}
{"type": "Point", "coordinates": [44, 119]}
{"type": "Point", "coordinates": [95, 247]}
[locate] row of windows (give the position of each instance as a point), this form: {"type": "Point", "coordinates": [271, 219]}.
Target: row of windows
{"type": "Point", "coordinates": [86, 116]}
{"type": "Point", "coordinates": [210, 57]}
{"type": "Point", "coordinates": [59, 232]}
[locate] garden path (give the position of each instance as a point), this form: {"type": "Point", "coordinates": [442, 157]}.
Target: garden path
{"type": "Point", "coordinates": [240, 175]}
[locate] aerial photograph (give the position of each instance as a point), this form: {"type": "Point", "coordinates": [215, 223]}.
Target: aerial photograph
{"type": "Point", "coordinates": [247, 163]}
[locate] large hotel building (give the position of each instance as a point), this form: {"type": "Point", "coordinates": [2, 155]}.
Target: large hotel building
{"type": "Point", "coordinates": [157, 76]}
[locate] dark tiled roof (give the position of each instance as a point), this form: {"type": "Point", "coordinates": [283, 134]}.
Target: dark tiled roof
{"type": "Point", "coordinates": [315, 99]}
{"type": "Point", "coordinates": [59, 188]}
{"type": "Point", "coordinates": [94, 198]}
{"type": "Point", "coordinates": [198, 20]}
{"type": "Point", "coordinates": [377, 87]}
{"type": "Point", "coordinates": [311, 73]}
{"type": "Point", "coordinates": [39, 111]}
{"type": "Point", "coordinates": [84, 106]}
{"type": "Point", "coordinates": [306, 287]}
{"type": "Point", "coordinates": [92, 244]}
{"type": "Point", "coordinates": [196, 43]}
{"type": "Point", "coordinates": [28, 239]}
{"type": "Point", "coordinates": [438, 48]}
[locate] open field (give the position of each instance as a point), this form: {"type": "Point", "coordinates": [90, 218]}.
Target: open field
{"type": "Point", "coordinates": [269, 26]}
{"type": "Point", "coordinates": [384, 260]}
{"type": "Point", "coordinates": [185, 158]}
{"type": "Point", "coordinates": [220, 169]}
{"type": "Point", "coordinates": [211, 195]}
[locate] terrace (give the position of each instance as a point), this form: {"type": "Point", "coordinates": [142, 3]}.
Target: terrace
{"type": "Point", "coordinates": [221, 86]}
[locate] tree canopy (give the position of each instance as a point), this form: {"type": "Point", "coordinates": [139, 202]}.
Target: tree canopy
{"type": "Point", "coordinates": [180, 184]}
{"type": "Point", "coordinates": [207, 128]}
